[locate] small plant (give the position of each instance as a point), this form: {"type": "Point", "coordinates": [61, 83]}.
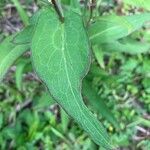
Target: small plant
{"type": "Point", "coordinates": [61, 37]}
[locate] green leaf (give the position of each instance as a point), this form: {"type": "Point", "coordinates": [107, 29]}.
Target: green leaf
{"type": "Point", "coordinates": [64, 120]}
{"type": "Point", "coordinates": [60, 55]}
{"type": "Point", "coordinates": [140, 121]}
{"type": "Point", "coordinates": [5, 47]}
{"type": "Point", "coordinates": [99, 56]}
{"type": "Point", "coordinates": [19, 72]}
{"type": "Point", "coordinates": [43, 102]}
{"type": "Point", "coordinates": [61, 136]}
{"type": "Point", "coordinates": [25, 36]}
{"type": "Point", "coordinates": [97, 103]}
{"type": "Point", "coordinates": [14, 46]}
{"type": "Point", "coordinates": [9, 53]}
{"type": "Point", "coordinates": [127, 45]}
{"type": "Point", "coordinates": [129, 65]}
{"type": "Point", "coordinates": [109, 28]}
{"type": "Point", "coordinates": [139, 3]}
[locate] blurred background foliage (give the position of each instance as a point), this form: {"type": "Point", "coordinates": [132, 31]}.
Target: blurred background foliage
{"type": "Point", "coordinates": [29, 118]}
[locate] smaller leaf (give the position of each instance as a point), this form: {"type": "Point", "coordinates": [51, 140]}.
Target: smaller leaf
{"type": "Point", "coordinates": [109, 28]}
{"type": "Point", "coordinates": [129, 46]}
{"type": "Point", "coordinates": [54, 59]}
{"type": "Point", "coordinates": [140, 121]}
{"type": "Point", "coordinates": [61, 136]}
{"type": "Point", "coordinates": [19, 73]}
{"type": "Point", "coordinates": [9, 53]}
{"type": "Point", "coordinates": [5, 47]}
{"type": "Point", "coordinates": [25, 36]}
{"type": "Point", "coordinates": [44, 101]}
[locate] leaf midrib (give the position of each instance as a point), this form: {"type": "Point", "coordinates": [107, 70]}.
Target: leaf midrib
{"type": "Point", "coordinates": [64, 58]}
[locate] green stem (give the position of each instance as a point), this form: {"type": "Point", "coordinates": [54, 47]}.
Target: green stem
{"type": "Point", "coordinates": [22, 13]}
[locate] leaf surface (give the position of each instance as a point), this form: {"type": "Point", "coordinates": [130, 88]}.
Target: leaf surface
{"type": "Point", "coordinates": [61, 58]}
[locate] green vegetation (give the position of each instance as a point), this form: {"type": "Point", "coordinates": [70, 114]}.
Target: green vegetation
{"type": "Point", "coordinates": [76, 76]}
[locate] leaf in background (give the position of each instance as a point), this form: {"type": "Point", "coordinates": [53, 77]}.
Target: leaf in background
{"type": "Point", "coordinates": [23, 15]}
{"type": "Point", "coordinates": [145, 70]}
{"type": "Point", "coordinates": [60, 55]}
{"type": "Point", "coordinates": [25, 36]}
{"type": "Point", "coordinates": [139, 3]}
{"type": "Point", "coordinates": [109, 28]}
{"type": "Point", "coordinates": [19, 72]}
{"type": "Point", "coordinates": [64, 120]}
{"type": "Point", "coordinates": [140, 121]}
{"type": "Point", "coordinates": [127, 45]}
{"type": "Point", "coordinates": [61, 136]}
{"type": "Point", "coordinates": [14, 46]}
{"type": "Point", "coordinates": [99, 56]}
{"type": "Point", "coordinates": [9, 53]}
{"type": "Point", "coordinates": [5, 47]}
{"type": "Point", "coordinates": [98, 104]}
{"type": "Point", "coordinates": [43, 102]}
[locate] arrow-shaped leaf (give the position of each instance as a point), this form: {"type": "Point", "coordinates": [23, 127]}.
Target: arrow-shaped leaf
{"type": "Point", "coordinates": [60, 54]}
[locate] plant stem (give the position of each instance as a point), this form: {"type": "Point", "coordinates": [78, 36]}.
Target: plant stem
{"type": "Point", "coordinates": [24, 17]}
{"type": "Point", "coordinates": [58, 9]}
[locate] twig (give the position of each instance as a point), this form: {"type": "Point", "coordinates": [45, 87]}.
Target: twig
{"type": "Point", "coordinates": [58, 9]}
